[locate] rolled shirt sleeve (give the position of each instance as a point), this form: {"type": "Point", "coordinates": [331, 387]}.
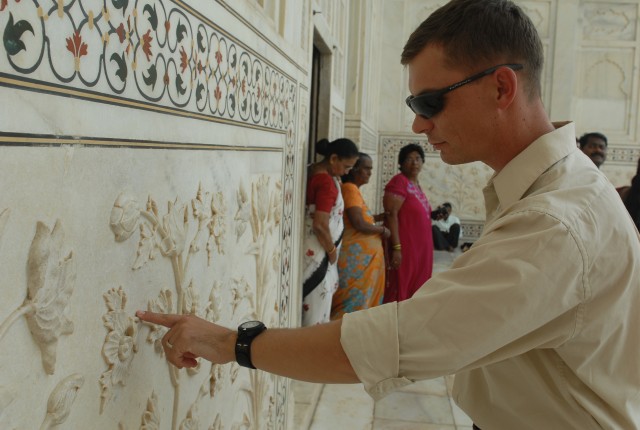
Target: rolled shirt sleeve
{"type": "Point", "coordinates": [370, 340]}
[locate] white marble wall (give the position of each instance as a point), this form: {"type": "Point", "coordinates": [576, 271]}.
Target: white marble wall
{"type": "Point", "coordinates": [151, 157]}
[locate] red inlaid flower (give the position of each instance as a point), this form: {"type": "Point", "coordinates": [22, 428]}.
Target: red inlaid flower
{"type": "Point", "coordinates": [146, 44]}
{"type": "Point", "coordinates": [310, 253]}
{"type": "Point", "coordinates": [219, 56]}
{"type": "Point", "coordinates": [120, 31]}
{"type": "Point", "coordinates": [76, 46]}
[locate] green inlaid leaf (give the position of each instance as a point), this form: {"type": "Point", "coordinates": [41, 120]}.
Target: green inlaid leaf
{"type": "Point", "coordinates": [13, 34]}
{"type": "Point", "coordinates": [120, 4]}
{"type": "Point", "coordinates": [122, 66]}
{"type": "Point", "coordinates": [181, 31]}
{"type": "Point", "coordinates": [200, 39]}
{"type": "Point", "coordinates": [153, 15]}
{"type": "Point", "coordinates": [199, 91]}
{"type": "Point", "coordinates": [180, 86]}
{"type": "Point", "coordinates": [152, 76]}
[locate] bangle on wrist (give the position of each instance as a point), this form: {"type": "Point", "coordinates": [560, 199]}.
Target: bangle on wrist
{"type": "Point", "coordinates": [332, 250]}
{"type": "Point", "coordinates": [397, 247]}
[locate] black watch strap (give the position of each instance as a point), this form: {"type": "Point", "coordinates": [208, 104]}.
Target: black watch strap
{"type": "Point", "coordinates": [247, 331]}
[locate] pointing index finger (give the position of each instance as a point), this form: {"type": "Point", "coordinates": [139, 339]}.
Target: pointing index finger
{"type": "Point", "coordinates": [167, 320]}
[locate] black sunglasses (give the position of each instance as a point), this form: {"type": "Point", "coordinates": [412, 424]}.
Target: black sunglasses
{"type": "Point", "coordinates": [430, 103]}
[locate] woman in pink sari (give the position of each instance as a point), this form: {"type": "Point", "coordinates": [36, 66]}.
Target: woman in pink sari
{"type": "Point", "coordinates": [410, 247]}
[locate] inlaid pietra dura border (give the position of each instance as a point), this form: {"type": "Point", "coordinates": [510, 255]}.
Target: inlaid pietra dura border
{"type": "Point", "coordinates": [146, 54]}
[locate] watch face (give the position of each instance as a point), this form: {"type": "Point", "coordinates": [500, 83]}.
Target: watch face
{"type": "Point", "coordinates": [250, 324]}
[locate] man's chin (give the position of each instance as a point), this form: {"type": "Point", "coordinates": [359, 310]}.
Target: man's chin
{"type": "Point", "coordinates": [451, 160]}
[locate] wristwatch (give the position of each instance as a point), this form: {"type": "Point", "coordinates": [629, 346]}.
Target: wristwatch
{"type": "Point", "coordinates": [247, 331]}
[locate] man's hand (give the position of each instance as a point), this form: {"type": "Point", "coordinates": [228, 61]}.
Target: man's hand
{"type": "Point", "coordinates": [190, 337]}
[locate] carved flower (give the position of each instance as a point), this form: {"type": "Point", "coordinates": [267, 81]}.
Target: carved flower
{"type": "Point", "coordinates": [124, 217]}
{"type": "Point", "coordinates": [51, 276]}
{"type": "Point", "coordinates": [61, 399]}
{"type": "Point", "coordinates": [175, 226]}
{"type": "Point", "coordinates": [120, 345]}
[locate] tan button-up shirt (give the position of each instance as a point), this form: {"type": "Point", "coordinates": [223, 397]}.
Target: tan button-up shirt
{"type": "Point", "coordinates": [539, 320]}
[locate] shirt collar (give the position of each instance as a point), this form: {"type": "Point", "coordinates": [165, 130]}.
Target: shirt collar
{"type": "Point", "coordinates": [520, 173]}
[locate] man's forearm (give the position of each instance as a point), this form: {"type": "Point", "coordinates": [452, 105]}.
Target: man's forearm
{"type": "Point", "coordinates": [312, 354]}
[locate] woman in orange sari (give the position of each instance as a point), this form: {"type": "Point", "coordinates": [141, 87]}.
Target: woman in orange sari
{"type": "Point", "coordinates": [361, 260]}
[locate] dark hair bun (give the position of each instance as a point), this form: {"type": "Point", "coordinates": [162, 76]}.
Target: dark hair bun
{"type": "Point", "coordinates": [322, 147]}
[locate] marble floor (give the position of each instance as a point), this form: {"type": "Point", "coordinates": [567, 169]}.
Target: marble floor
{"type": "Point", "coordinates": [425, 405]}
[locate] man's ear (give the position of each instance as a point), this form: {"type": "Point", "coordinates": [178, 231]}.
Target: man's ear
{"type": "Point", "coordinates": [506, 81]}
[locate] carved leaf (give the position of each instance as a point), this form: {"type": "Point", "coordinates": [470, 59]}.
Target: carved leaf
{"type": "Point", "coordinates": [198, 205]}
{"type": "Point", "coordinates": [260, 196]}
{"type": "Point", "coordinates": [243, 215]}
{"type": "Point", "coordinates": [61, 399]}
{"type": "Point", "coordinates": [215, 380]}
{"type": "Point", "coordinates": [146, 246]}
{"type": "Point", "coordinates": [175, 226]}
{"type": "Point", "coordinates": [124, 217]}
{"type": "Point", "coordinates": [161, 305]}
{"type": "Point", "coordinates": [150, 418]}
{"type": "Point", "coordinates": [213, 310]}
{"type": "Point", "coordinates": [50, 282]}
{"type": "Point", "coordinates": [190, 300]}
{"type": "Point", "coordinates": [191, 421]}
{"type": "Point", "coordinates": [217, 423]}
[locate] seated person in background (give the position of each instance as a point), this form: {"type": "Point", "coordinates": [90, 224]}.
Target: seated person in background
{"type": "Point", "coordinates": [446, 228]}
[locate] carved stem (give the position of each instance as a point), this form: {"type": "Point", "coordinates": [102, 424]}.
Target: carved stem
{"type": "Point", "coordinates": [154, 221]}
{"type": "Point", "coordinates": [46, 424]}
{"type": "Point", "coordinates": [174, 372]}
{"type": "Point", "coordinates": [177, 275]}
{"type": "Point", "coordinates": [175, 377]}
{"type": "Point", "coordinates": [22, 310]}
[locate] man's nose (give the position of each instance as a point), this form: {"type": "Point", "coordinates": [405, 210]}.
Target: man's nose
{"type": "Point", "coordinates": [421, 125]}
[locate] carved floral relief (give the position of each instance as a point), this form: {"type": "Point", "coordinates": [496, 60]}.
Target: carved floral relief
{"type": "Point", "coordinates": [51, 275]}
{"type": "Point", "coordinates": [179, 236]}
{"type": "Point", "coordinates": [61, 400]}
{"type": "Point", "coordinates": [120, 344]}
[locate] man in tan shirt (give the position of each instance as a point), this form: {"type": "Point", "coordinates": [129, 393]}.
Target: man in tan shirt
{"type": "Point", "coordinates": [540, 319]}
